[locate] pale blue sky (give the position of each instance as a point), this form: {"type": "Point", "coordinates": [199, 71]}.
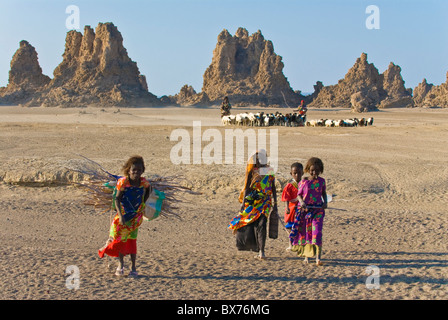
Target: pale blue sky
{"type": "Point", "coordinates": [172, 41]}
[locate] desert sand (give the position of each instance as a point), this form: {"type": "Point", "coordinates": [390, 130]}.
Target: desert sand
{"type": "Point", "coordinates": [389, 179]}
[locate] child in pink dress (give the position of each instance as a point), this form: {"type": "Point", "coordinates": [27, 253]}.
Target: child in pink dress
{"type": "Point", "coordinates": [306, 232]}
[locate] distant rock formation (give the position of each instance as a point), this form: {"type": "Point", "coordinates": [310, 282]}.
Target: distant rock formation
{"type": "Point", "coordinates": [187, 96]}
{"type": "Point", "coordinates": [393, 85]}
{"type": "Point", "coordinates": [25, 77]}
{"type": "Point", "coordinates": [365, 89]}
{"type": "Point", "coordinates": [428, 95]}
{"type": "Point", "coordinates": [95, 71]}
{"type": "Point", "coordinates": [360, 88]}
{"type": "Point", "coordinates": [247, 70]}
{"type": "Point", "coordinates": [421, 91]}
{"type": "Point", "coordinates": [317, 88]}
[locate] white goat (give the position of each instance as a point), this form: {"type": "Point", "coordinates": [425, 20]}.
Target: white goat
{"type": "Point", "coordinates": [329, 123]}
{"type": "Point", "coordinates": [225, 120]}
{"type": "Point", "coordinates": [241, 119]}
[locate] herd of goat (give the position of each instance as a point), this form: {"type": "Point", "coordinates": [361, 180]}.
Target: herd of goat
{"type": "Point", "coordinates": [260, 119]}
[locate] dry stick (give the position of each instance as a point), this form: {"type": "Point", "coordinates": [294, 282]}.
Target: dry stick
{"type": "Point", "coordinates": [281, 221]}
{"type": "Point", "coordinates": [284, 225]}
{"type": "Point", "coordinates": [100, 196]}
{"type": "Point", "coordinates": [311, 207]}
{"type": "Point", "coordinates": [286, 102]}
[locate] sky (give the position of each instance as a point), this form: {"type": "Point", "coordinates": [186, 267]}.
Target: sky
{"type": "Point", "coordinates": [172, 41]}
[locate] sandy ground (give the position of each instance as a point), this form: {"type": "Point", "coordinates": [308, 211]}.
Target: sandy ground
{"type": "Point", "coordinates": [390, 178]}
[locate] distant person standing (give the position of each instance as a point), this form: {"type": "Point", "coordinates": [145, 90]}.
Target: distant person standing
{"type": "Point", "coordinates": [301, 110]}
{"type": "Point", "coordinates": [225, 107]}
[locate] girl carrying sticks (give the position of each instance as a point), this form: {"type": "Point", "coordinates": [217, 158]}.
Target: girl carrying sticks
{"type": "Point", "coordinates": [132, 193]}
{"type": "Point", "coordinates": [133, 198]}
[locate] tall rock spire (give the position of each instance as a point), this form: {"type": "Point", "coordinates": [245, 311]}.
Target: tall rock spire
{"type": "Point", "coordinates": [246, 69]}
{"type": "Point", "coordinates": [96, 70]}
{"type": "Point", "coordinates": [364, 89]}
{"type": "Point", "coordinates": [25, 76]}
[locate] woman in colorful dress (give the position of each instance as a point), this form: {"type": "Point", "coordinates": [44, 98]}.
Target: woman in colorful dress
{"type": "Point", "coordinates": [258, 200]}
{"type": "Point", "coordinates": [132, 192]}
{"type": "Point", "coordinates": [306, 232]}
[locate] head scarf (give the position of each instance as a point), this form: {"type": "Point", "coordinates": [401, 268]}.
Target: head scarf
{"type": "Point", "coordinates": [261, 155]}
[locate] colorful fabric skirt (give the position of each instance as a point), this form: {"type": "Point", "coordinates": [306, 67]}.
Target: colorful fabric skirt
{"type": "Point", "coordinates": [308, 250]}
{"type": "Point", "coordinates": [122, 238]}
{"type": "Point", "coordinates": [258, 202]}
{"type": "Point", "coordinates": [252, 211]}
{"type": "Point", "coordinates": [289, 225]}
{"type": "Point", "coordinates": [306, 232]}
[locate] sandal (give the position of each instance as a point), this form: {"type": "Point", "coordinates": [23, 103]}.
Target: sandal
{"type": "Point", "coordinates": [133, 273]}
{"type": "Point", "coordinates": [119, 272]}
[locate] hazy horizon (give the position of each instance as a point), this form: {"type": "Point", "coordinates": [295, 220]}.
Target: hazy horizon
{"type": "Point", "coordinates": [172, 41]}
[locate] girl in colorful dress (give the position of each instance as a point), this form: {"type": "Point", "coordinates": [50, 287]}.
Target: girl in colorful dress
{"type": "Point", "coordinates": [289, 195]}
{"type": "Point", "coordinates": [258, 200]}
{"type": "Point", "coordinates": [132, 192]}
{"type": "Point", "coordinates": [306, 232]}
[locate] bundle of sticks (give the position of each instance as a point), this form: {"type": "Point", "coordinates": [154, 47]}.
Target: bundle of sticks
{"type": "Point", "coordinates": [100, 187]}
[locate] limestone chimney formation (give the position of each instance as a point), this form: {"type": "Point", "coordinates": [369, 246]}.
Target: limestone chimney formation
{"type": "Point", "coordinates": [246, 69]}
{"type": "Point", "coordinates": [25, 76]}
{"type": "Point", "coordinates": [95, 70]}
{"type": "Point", "coordinates": [364, 89]}
{"type": "Point", "coordinates": [429, 95]}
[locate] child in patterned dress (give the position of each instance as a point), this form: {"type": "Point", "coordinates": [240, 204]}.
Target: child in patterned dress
{"type": "Point", "coordinates": [306, 232]}
{"type": "Point", "coordinates": [289, 195]}
{"type": "Point", "coordinates": [133, 191]}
